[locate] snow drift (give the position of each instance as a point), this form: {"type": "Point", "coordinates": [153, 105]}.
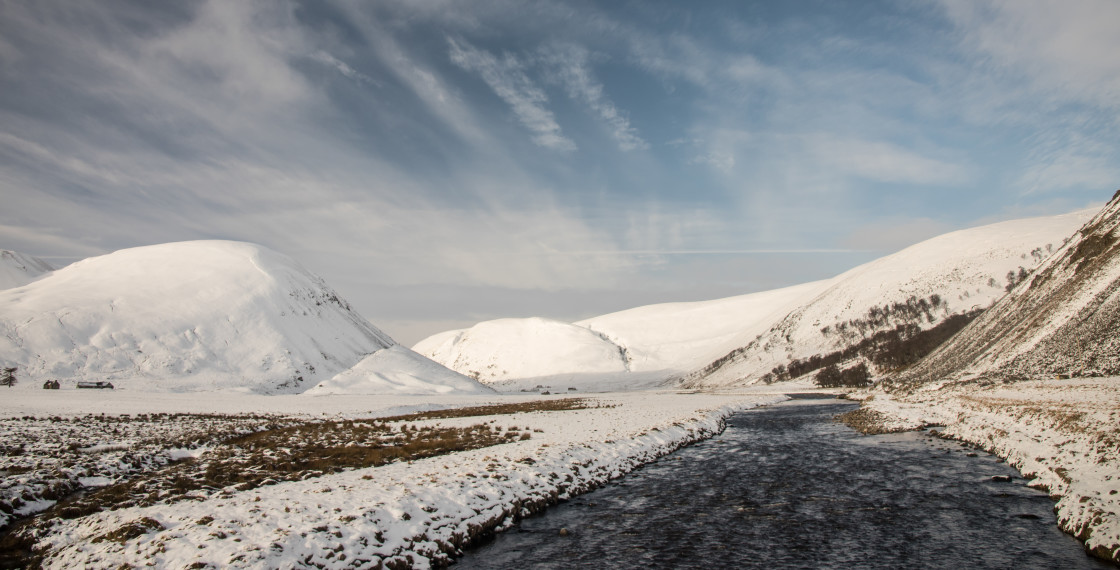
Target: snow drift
{"type": "Point", "coordinates": [201, 315]}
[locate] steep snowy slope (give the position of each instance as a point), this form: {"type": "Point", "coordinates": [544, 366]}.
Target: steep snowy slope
{"type": "Point", "coordinates": [1063, 320]}
{"type": "Point", "coordinates": [920, 285]}
{"type": "Point", "coordinates": [524, 348]}
{"type": "Point", "coordinates": [204, 315]}
{"type": "Point", "coordinates": [20, 269]}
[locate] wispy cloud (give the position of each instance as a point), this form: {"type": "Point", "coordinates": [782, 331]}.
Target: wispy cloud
{"type": "Point", "coordinates": [507, 78]}
{"type": "Point", "coordinates": [722, 161]}
{"type": "Point", "coordinates": [569, 66]}
{"type": "Point", "coordinates": [1064, 49]}
{"type": "Point", "coordinates": [342, 67]}
{"type": "Point", "coordinates": [882, 161]}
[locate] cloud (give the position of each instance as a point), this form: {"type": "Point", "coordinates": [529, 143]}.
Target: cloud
{"type": "Point", "coordinates": [569, 66]}
{"type": "Point", "coordinates": [1066, 50]}
{"type": "Point", "coordinates": [722, 161]}
{"type": "Point", "coordinates": [881, 161]}
{"type": "Point", "coordinates": [507, 78]}
{"type": "Point", "coordinates": [342, 67]}
{"type": "Point", "coordinates": [1064, 167]}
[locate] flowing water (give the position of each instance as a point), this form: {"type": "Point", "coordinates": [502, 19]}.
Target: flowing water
{"type": "Point", "coordinates": [788, 487]}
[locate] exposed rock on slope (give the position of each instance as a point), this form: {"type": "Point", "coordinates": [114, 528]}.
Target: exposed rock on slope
{"type": "Point", "coordinates": [203, 315]}
{"type": "Point", "coordinates": [1063, 320]}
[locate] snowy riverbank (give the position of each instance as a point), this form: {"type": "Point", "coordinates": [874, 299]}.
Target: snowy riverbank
{"type": "Point", "coordinates": [402, 514]}
{"type": "Point", "coordinates": [1062, 434]}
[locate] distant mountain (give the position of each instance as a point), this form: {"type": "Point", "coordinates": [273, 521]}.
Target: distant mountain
{"type": "Point", "coordinates": [741, 340]}
{"type": "Point", "coordinates": [1062, 320]}
{"type": "Point", "coordinates": [19, 269]}
{"type": "Point", "coordinates": [398, 370]}
{"type": "Point", "coordinates": [193, 316]}
{"type": "Point", "coordinates": [919, 287]}
{"type": "Point", "coordinates": [524, 348]}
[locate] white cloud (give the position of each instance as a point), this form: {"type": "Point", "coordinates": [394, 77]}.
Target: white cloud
{"type": "Point", "coordinates": [569, 66]}
{"type": "Point", "coordinates": [1065, 167]}
{"type": "Point", "coordinates": [507, 78]}
{"type": "Point", "coordinates": [722, 161]}
{"type": "Point", "coordinates": [342, 67]}
{"type": "Point", "coordinates": [1066, 50]}
{"type": "Point", "coordinates": [880, 161]}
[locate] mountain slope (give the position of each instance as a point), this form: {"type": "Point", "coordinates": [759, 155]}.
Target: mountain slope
{"type": "Point", "coordinates": [1064, 320]}
{"type": "Point", "coordinates": [919, 286]}
{"type": "Point", "coordinates": [20, 269]}
{"type": "Point", "coordinates": [679, 337]}
{"type": "Point", "coordinates": [398, 370]}
{"type": "Point", "coordinates": [203, 315]}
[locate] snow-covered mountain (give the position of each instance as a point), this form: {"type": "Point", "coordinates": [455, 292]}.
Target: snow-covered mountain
{"type": "Point", "coordinates": [679, 337]}
{"type": "Point", "coordinates": [506, 349]}
{"type": "Point", "coordinates": [921, 285]}
{"type": "Point", "coordinates": [20, 269]}
{"type": "Point", "coordinates": [201, 315]}
{"type": "Point", "coordinates": [738, 340]}
{"type": "Point", "coordinates": [1063, 320]}
{"type": "Point", "coordinates": [398, 370]}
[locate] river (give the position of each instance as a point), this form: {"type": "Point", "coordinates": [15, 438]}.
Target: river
{"type": "Point", "coordinates": [788, 487]}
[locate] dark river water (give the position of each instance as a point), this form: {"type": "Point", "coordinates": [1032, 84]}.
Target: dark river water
{"type": "Point", "coordinates": [788, 487]}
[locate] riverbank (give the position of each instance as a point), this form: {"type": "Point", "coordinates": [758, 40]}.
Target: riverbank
{"type": "Point", "coordinates": [1064, 435]}
{"type": "Point", "coordinates": [405, 514]}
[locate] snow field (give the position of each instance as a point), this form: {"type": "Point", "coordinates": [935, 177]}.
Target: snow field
{"type": "Point", "coordinates": [1061, 434]}
{"type": "Point", "coordinates": [410, 514]}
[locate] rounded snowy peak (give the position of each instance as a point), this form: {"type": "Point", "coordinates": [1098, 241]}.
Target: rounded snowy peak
{"type": "Point", "coordinates": [192, 315]}
{"type": "Point", "coordinates": [523, 348]}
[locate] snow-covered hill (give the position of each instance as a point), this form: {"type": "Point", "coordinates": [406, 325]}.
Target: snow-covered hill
{"type": "Point", "coordinates": [921, 285]}
{"type": "Point", "coordinates": [738, 340]}
{"type": "Point", "coordinates": [1063, 320]}
{"type": "Point", "coordinates": [20, 269]}
{"type": "Point", "coordinates": [506, 349]}
{"type": "Point", "coordinates": [679, 337]}
{"type": "Point", "coordinates": [202, 315]}
{"type": "Point", "coordinates": [398, 370]}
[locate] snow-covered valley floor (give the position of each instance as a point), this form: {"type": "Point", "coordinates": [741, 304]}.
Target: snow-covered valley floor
{"type": "Point", "coordinates": [1062, 434]}
{"type": "Point", "coordinates": [403, 514]}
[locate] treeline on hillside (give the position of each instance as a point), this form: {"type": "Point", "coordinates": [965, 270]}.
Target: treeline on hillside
{"type": "Point", "coordinates": [832, 377]}
{"type": "Point", "coordinates": [913, 309]}
{"type": "Point", "coordinates": [893, 348]}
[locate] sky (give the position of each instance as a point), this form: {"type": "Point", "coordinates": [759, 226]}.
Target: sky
{"type": "Point", "coordinates": [445, 162]}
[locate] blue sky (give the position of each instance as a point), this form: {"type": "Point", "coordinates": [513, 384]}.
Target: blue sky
{"type": "Point", "coordinates": [445, 162]}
